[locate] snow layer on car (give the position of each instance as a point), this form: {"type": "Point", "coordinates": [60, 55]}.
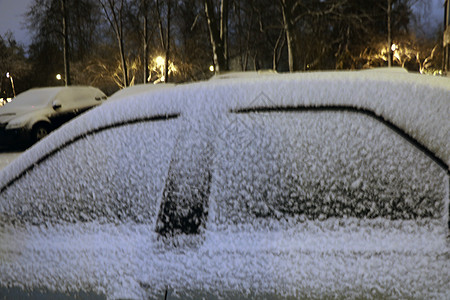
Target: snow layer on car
{"type": "Point", "coordinates": [37, 96]}
{"type": "Point", "coordinates": [287, 255]}
{"type": "Point", "coordinates": [319, 165]}
{"type": "Point", "coordinates": [418, 104]}
{"type": "Point", "coordinates": [139, 89]}
{"type": "Point", "coordinates": [104, 177]}
{"type": "Point", "coordinates": [351, 258]}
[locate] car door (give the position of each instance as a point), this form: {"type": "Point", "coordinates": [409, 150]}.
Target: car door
{"type": "Point", "coordinates": [101, 179]}
{"type": "Point", "coordinates": [324, 202]}
{"type": "Point", "coordinates": [62, 108]}
{"type": "Point", "coordinates": [72, 101]}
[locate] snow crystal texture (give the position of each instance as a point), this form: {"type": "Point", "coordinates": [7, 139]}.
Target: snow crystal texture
{"type": "Point", "coordinates": [298, 204]}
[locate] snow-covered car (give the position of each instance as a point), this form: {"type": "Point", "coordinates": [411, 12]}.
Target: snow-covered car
{"type": "Point", "coordinates": [36, 112]}
{"type": "Point", "coordinates": [310, 185]}
{"type": "Point", "coordinates": [139, 89]}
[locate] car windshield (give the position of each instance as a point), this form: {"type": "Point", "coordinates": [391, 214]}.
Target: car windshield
{"type": "Point", "coordinates": [34, 97]}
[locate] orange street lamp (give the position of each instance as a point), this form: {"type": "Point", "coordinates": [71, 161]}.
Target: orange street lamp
{"type": "Point", "coordinates": [12, 83]}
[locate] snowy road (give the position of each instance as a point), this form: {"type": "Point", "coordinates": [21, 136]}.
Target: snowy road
{"type": "Point", "coordinates": [7, 157]}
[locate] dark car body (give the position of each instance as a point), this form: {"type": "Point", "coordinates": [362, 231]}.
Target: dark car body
{"type": "Point", "coordinates": [36, 112]}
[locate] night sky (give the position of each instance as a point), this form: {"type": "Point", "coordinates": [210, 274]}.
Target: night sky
{"type": "Point", "coordinates": [12, 11]}
{"type": "Point", "coordinates": [11, 18]}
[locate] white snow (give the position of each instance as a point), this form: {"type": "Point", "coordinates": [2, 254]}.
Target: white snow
{"type": "Point", "coordinates": [322, 165]}
{"type": "Point", "coordinates": [140, 89]}
{"type": "Point", "coordinates": [351, 258]}
{"type": "Point", "coordinates": [418, 104]}
{"type": "Point", "coordinates": [37, 96]}
{"type": "Point", "coordinates": [104, 177]}
{"type": "Point", "coordinates": [301, 204]}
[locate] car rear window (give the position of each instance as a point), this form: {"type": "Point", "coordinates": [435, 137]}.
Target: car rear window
{"type": "Point", "coordinates": [320, 165]}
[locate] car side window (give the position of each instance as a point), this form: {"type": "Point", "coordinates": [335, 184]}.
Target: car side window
{"type": "Point", "coordinates": [320, 165]}
{"type": "Point", "coordinates": [69, 95]}
{"type": "Point", "coordinates": [114, 175]}
{"type": "Point", "coordinates": [84, 94]}
{"type": "Point", "coordinates": [75, 96]}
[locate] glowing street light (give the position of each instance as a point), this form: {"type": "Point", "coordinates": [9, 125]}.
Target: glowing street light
{"type": "Point", "coordinates": [160, 61]}
{"type": "Point", "coordinates": [211, 68]}
{"type": "Point", "coordinates": [9, 76]}
{"type": "Point", "coordinates": [59, 77]}
{"type": "Point", "coordinates": [158, 67]}
{"type": "Point", "coordinates": [394, 47]}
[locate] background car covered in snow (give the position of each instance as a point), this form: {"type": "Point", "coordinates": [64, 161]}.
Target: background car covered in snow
{"type": "Point", "coordinates": [36, 112]}
{"type": "Point", "coordinates": [139, 89]}
{"type": "Point", "coordinates": [316, 185]}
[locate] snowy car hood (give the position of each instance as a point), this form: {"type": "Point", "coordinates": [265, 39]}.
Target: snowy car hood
{"type": "Point", "coordinates": [8, 113]}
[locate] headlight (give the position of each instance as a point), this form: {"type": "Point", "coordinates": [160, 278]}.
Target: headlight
{"type": "Point", "coordinates": [16, 123]}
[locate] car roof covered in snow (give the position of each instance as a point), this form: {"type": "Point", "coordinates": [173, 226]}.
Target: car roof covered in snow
{"type": "Point", "coordinates": [139, 89]}
{"type": "Point", "coordinates": [417, 104]}
{"type": "Point", "coordinates": [46, 94]}
{"type": "Point", "coordinates": [36, 95]}
{"type": "Point", "coordinates": [242, 75]}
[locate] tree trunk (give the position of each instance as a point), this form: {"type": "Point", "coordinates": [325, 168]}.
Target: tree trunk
{"type": "Point", "coordinates": [224, 29]}
{"type": "Point", "coordinates": [389, 38]}
{"type": "Point", "coordinates": [220, 59]}
{"type": "Point", "coordinates": [124, 62]}
{"type": "Point", "coordinates": [291, 39]}
{"type": "Point", "coordinates": [65, 43]}
{"type": "Point", "coordinates": [119, 22]}
{"type": "Point", "coordinates": [167, 55]}
{"type": "Point", "coordinates": [277, 51]}
{"type": "Point", "coordinates": [115, 19]}
{"type": "Point", "coordinates": [247, 44]}
{"type": "Point", "coordinates": [445, 66]}
{"type": "Point", "coordinates": [145, 41]}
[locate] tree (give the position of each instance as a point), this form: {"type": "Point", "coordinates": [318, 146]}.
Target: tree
{"type": "Point", "coordinates": [192, 48]}
{"type": "Point", "coordinates": [287, 10]}
{"type": "Point", "coordinates": [218, 30]}
{"type": "Point", "coordinates": [258, 35]}
{"type": "Point", "coordinates": [114, 14]}
{"type": "Point", "coordinates": [165, 38]}
{"type": "Point", "coordinates": [60, 28]}
{"type": "Point", "coordinates": [14, 62]}
{"type": "Point", "coordinates": [141, 20]}
{"type": "Point", "coordinates": [65, 34]}
{"type": "Point", "coordinates": [144, 8]}
{"type": "Point", "coordinates": [299, 15]}
{"type": "Point", "coordinates": [252, 34]}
